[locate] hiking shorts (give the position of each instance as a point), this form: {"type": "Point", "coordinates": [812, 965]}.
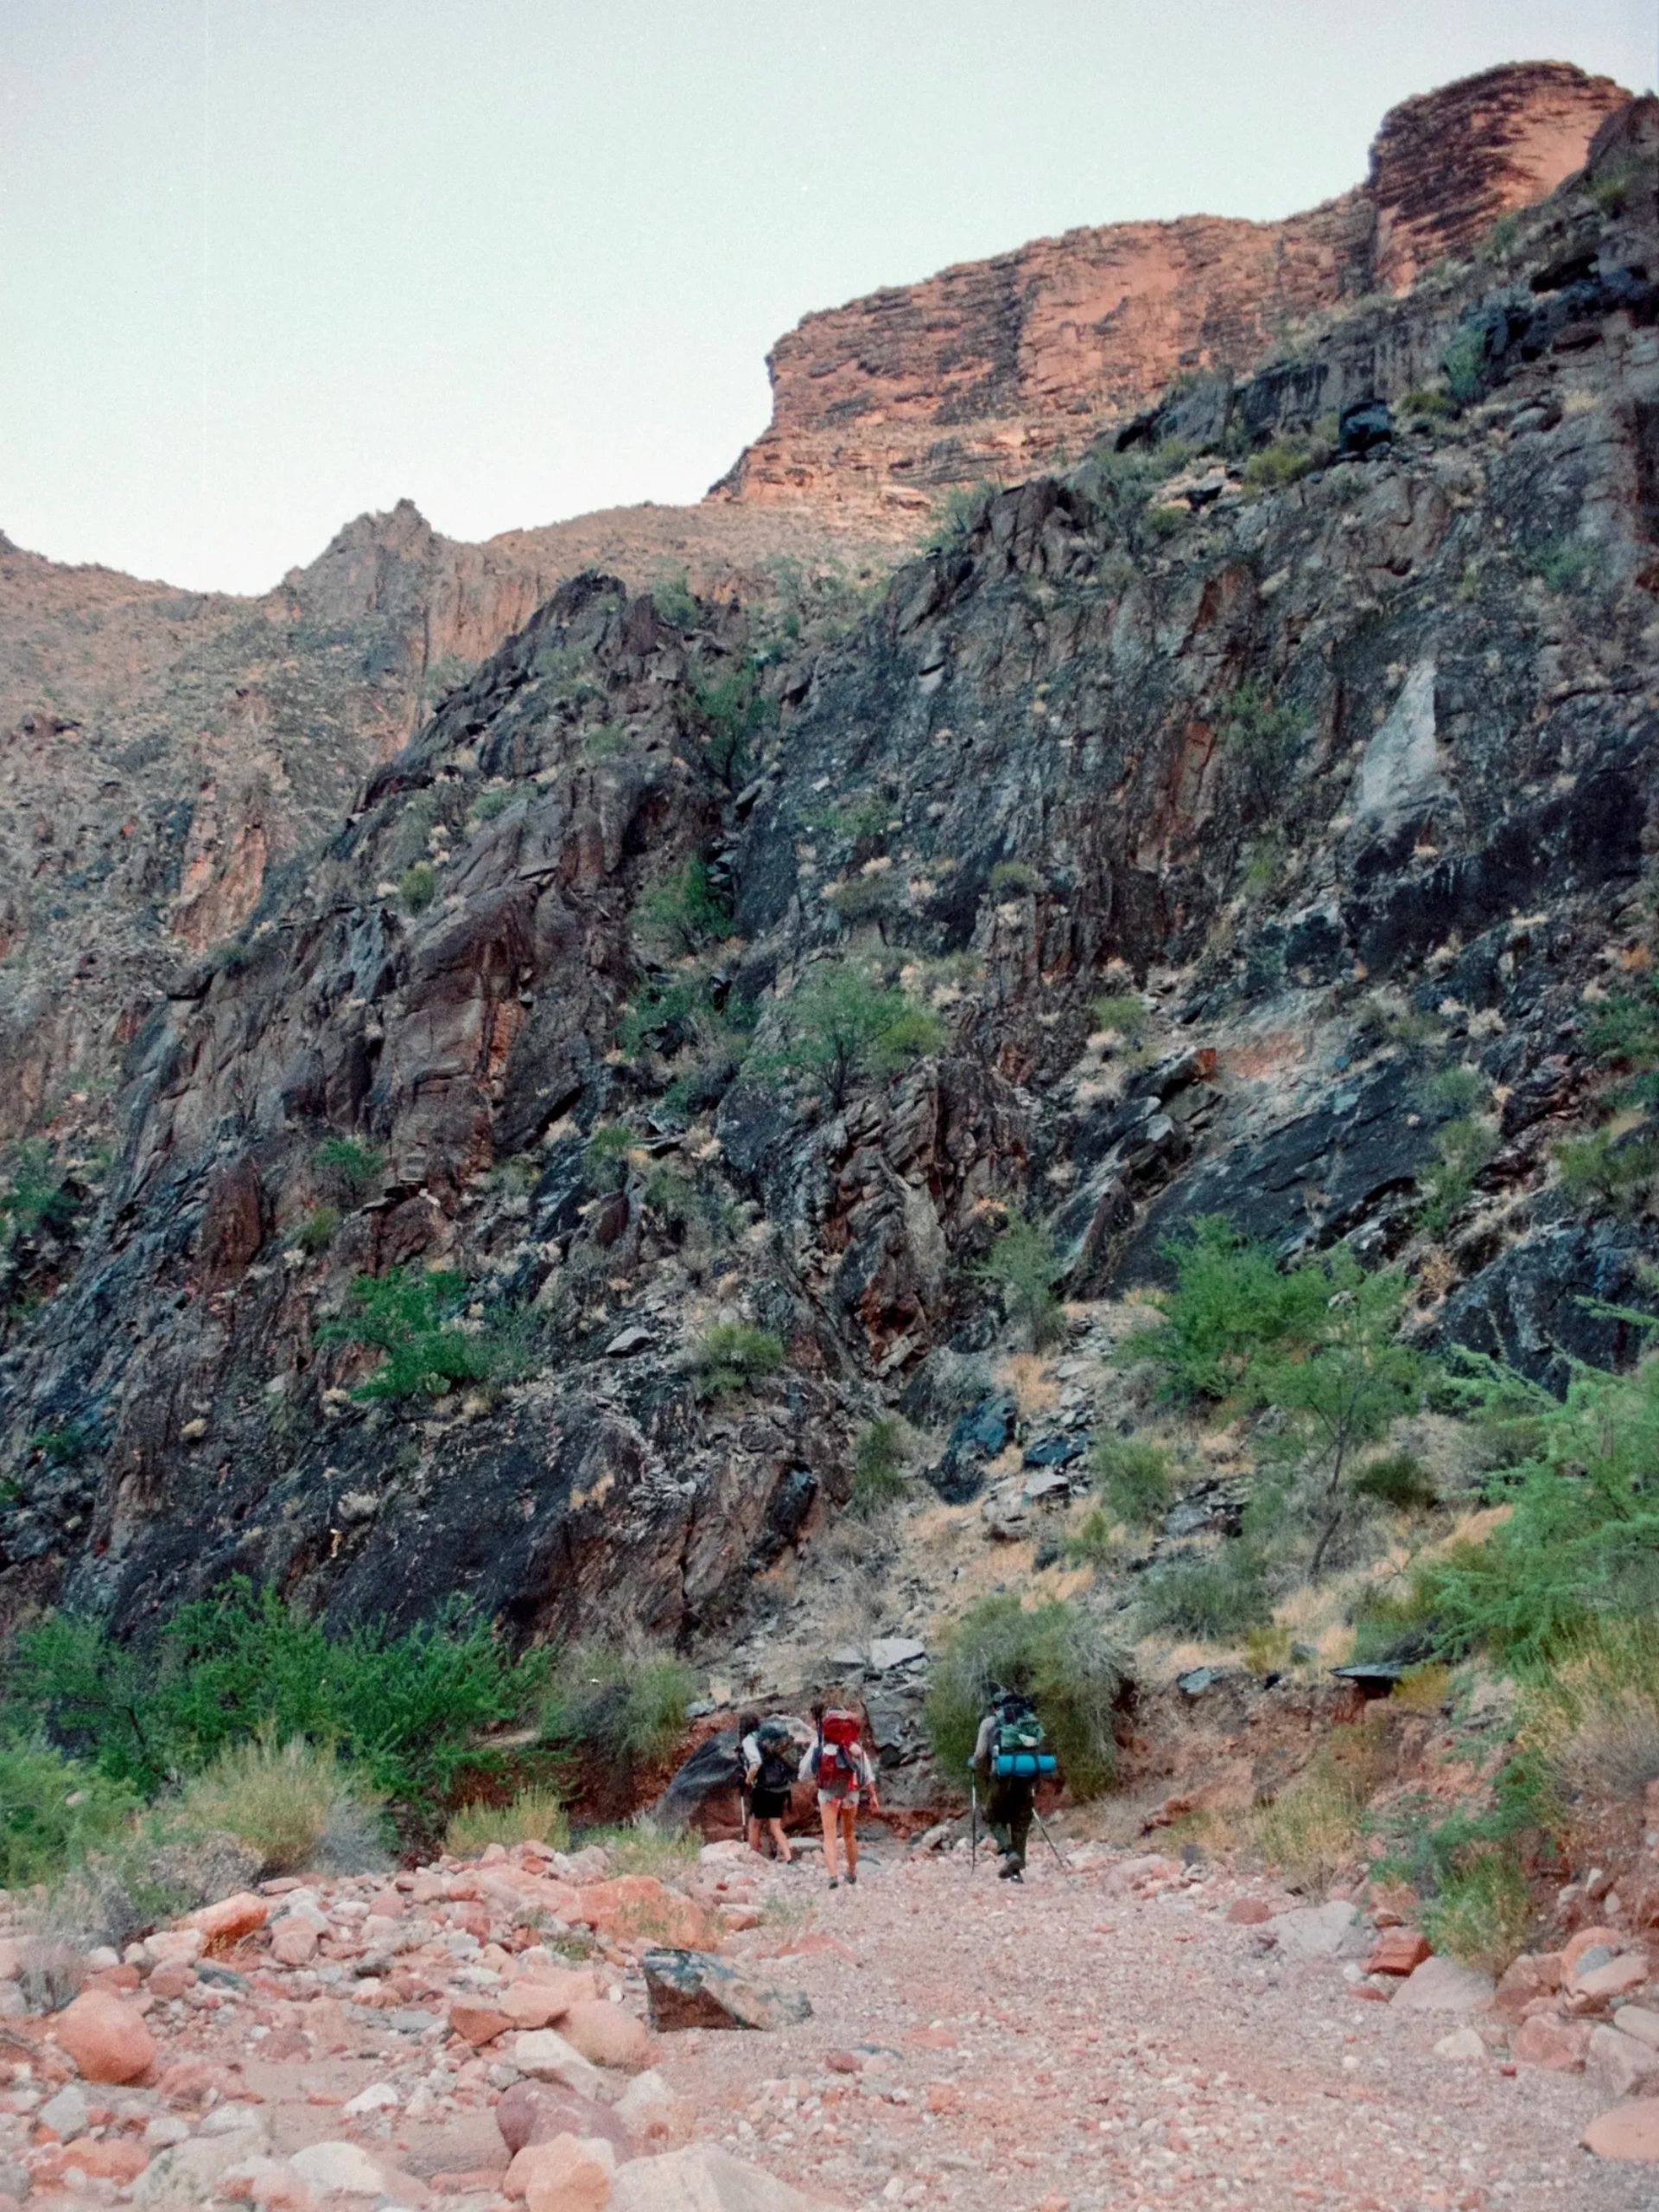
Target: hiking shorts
{"type": "Point", "coordinates": [840, 1798]}
{"type": "Point", "coordinates": [768, 1804]}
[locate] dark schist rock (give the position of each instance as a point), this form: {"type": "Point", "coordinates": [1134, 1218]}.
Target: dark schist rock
{"type": "Point", "coordinates": [976, 1440]}
{"type": "Point", "coordinates": [693, 1989]}
{"type": "Point", "coordinates": [1536, 1306]}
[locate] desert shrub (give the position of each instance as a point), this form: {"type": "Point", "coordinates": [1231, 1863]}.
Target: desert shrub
{"type": "Point", "coordinates": [1126, 1013]}
{"type": "Point", "coordinates": [569, 672]}
{"type": "Point", "coordinates": [1484, 1908]}
{"type": "Point", "coordinates": [1022, 1264]}
{"type": "Point", "coordinates": [533, 1815]}
{"type": "Point", "coordinates": [1231, 1302]}
{"type": "Point", "coordinates": [1464, 366]}
{"type": "Point", "coordinates": [643, 1846]}
{"type": "Point", "coordinates": [54, 1810]}
{"type": "Point", "coordinates": [1010, 878]}
{"type": "Point", "coordinates": [1606, 1170]}
{"type": "Point", "coordinates": [859, 820]}
{"type": "Point", "coordinates": [411, 1317]}
{"type": "Point", "coordinates": [1428, 403]}
{"type": "Point", "coordinates": [958, 515]}
{"type": "Point", "coordinates": [1595, 1717]}
{"type": "Point", "coordinates": [1399, 1480]}
{"type": "Point", "coordinates": [293, 1804]}
{"type": "Point", "coordinates": [1283, 461]}
{"type": "Point", "coordinates": [1214, 1596]}
{"type": "Point", "coordinates": [622, 1704]}
{"type": "Point", "coordinates": [686, 912]}
{"type": "Point", "coordinates": [1262, 734]}
{"type": "Point", "coordinates": [872, 897]}
{"type": "Point", "coordinates": [1566, 564]}
{"type": "Point", "coordinates": [842, 1026]}
{"type": "Point", "coordinates": [1059, 1653]}
{"type": "Point", "coordinates": [411, 1712]}
{"type": "Point", "coordinates": [349, 1166]}
{"type": "Point", "coordinates": [605, 1156]}
{"type": "Point", "coordinates": [675, 600]}
{"type": "Point", "coordinates": [732, 710]}
{"type": "Point", "coordinates": [65, 1443]}
{"type": "Point", "coordinates": [1092, 1541]}
{"type": "Point", "coordinates": [489, 804]}
{"type": "Point", "coordinates": [1462, 1148]}
{"type": "Point", "coordinates": [1132, 1475]}
{"type": "Point", "coordinates": [444, 675]}
{"type": "Point", "coordinates": [417, 886]}
{"type": "Point", "coordinates": [1455, 1090]}
{"type": "Point", "coordinates": [152, 1874]}
{"type": "Point", "coordinates": [879, 1466]}
{"type": "Point", "coordinates": [34, 1199]}
{"type": "Point", "coordinates": [316, 1232]}
{"type": "Point", "coordinates": [605, 742]}
{"type": "Point", "coordinates": [1313, 1826]}
{"type": "Point", "coordinates": [731, 1356]}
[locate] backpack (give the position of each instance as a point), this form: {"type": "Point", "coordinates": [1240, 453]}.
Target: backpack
{"type": "Point", "coordinates": [838, 1761]}
{"type": "Point", "coordinates": [1018, 1743]}
{"type": "Point", "coordinates": [776, 1768]}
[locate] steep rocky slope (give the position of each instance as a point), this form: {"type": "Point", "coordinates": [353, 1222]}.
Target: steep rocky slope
{"type": "Point", "coordinates": [167, 758]}
{"type": "Point", "coordinates": [1341, 758]}
{"type": "Point", "coordinates": [995, 368]}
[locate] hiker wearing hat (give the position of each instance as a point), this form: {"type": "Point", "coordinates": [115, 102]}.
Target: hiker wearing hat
{"type": "Point", "coordinates": [768, 1778]}
{"type": "Point", "coordinates": [1008, 1758]}
{"type": "Point", "coordinates": [840, 1764]}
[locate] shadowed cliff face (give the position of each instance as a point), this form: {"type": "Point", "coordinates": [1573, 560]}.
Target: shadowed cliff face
{"type": "Point", "coordinates": [992, 369]}
{"type": "Point", "coordinates": [1349, 777]}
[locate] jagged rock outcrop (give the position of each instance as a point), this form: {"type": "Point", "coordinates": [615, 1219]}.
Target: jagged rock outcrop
{"type": "Point", "coordinates": [1330, 780]}
{"type": "Point", "coordinates": [991, 369]}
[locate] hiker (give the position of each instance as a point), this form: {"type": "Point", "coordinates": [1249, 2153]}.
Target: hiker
{"type": "Point", "coordinates": [840, 1764]}
{"type": "Point", "coordinates": [748, 1757]}
{"type": "Point", "coordinates": [768, 1778]}
{"type": "Point", "coordinates": [1008, 1758]}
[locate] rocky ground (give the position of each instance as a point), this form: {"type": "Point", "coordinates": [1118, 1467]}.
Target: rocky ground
{"type": "Point", "coordinates": [1129, 2033]}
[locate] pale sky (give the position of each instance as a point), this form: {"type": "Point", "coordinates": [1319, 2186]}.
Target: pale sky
{"type": "Point", "coordinates": [267, 264]}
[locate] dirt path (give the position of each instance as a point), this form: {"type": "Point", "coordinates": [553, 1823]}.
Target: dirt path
{"type": "Point", "coordinates": [1063, 2046]}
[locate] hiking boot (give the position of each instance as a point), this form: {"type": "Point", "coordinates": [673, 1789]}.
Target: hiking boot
{"type": "Point", "coordinates": [834, 1881]}
{"type": "Point", "coordinates": [852, 1877]}
{"type": "Point", "coordinates": [1011, 1870]}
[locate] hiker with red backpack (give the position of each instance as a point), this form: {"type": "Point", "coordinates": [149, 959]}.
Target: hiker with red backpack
{"type": "Point", "coordinates": [840, 1764]}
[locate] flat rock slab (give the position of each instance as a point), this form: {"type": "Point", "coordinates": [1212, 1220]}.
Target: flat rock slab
{"type": "Point", "coordinates": [889, 1651]}
{"type": "Point", "coordinates": [691, 1989]}
{"type": "Point", "coordinates": [1320, 1931]}
{"type": "Point", "coordinates": [1629, 2131]}
{"type": "Point", "coordinates": [1446, 1986]}
{"type": "Point", "coordinates": [704, 2178]}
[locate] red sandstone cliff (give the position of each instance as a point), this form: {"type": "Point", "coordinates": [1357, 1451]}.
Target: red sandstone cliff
{"type": "Point", "coordinates": [990, 368]}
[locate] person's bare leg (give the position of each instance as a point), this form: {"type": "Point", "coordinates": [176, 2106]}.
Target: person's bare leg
{"type": "Point", "coordinates": [832, 1813]}
{"type": "Point", "coordinates": [782, 1842]}
{"type": "Point", "coordinates": [756, 1837]}
{"type": "Point", "coordinates": [849, 1834]}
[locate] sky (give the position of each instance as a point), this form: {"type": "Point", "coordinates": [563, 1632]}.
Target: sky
{"type": "Point", "coordinates": [265, 264]}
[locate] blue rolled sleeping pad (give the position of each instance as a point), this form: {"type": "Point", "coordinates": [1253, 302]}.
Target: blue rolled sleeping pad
{"type": "Point", "coordinates": [1023, 1762]}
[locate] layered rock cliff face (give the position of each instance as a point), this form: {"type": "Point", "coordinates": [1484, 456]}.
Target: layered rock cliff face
{"type": "Point", "coordinates": [1349, 776]}
{"type": "Point", "coordinates": [994, 369]}
{"type": "Point", "coordinates": [168, 758]}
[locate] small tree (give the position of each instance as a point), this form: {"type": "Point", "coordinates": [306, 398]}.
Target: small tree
{"type": "Point", "coordinates": [1023, 1263]}
{"type": "Point", "coordinates": [843, 1025]}
{"type": "Point", "coordinates": [410, 1319]}
{"type": "Point", "coordinates": [686, 912]}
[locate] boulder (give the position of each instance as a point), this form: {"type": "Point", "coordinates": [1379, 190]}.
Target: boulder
{"type": "Point", "coordinates": [1594, 1986]}
{"type": "Point", "coordinates": [567, 2173]}
{"type": "Point", "coordinates": [1620, 2065]}
{"type": "Point", "coordinates": [539, 2002]}
{"type": "Point", "coordinates": [1636, 2021]}
{"type": "Point", "coordinates": [108, 2040]}
{"type": "Point", "coordinates": [689, 1989]}
{"type": "Point", "coordinates": [339, 2169]}
{"type": "Point", "coordinates": [1446, 1986]}
{"type": "Point", "coordinates": [191, 2172]}
{"type": "Point", "coordinates": [106, 2158]}
{"type": "Point", "coordinates": [294, 1942]}
{"type": "Point", "coordinates": [535, 2111]}
{"type": "Point", "coordinates": [1524, 1981]}
{"type": "Point", "coordinates": [1461, 2044]}
{"type": "Point", "coordinates": [477, 2023]}
{"type": "Point", "coordinates": [635, 1905]}
{"type": "Point", "coordinates": [649, 2109]}
{"type": "Point", "coordinates": [1629, 2131]}
{"type": "Point", "coordinates": [704, 2178]}
{"type": "Point", "coordinates": [230, 1920]}
{"type": "Point", "coordinates": [608, 2034]}
{"type": "Point", "coordinates": [978, 1436]}
{"type": "Point", "coordinates": [1320, 1931]}
{"type": "Point", "coordinates": [1557, 2044]}
{"type": "Point", "coordinates": [889, 1651]}
{"type": "Point", "coordinates": [546, 2056]}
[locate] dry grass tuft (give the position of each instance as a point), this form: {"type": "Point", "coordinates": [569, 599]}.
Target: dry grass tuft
{"type": "Point", "coordinates": [535, 1815]}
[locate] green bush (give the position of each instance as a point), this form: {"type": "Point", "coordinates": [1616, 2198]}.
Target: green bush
{"type": "Point", "coordinates": [122, 1889]}
{"type": "Point", "coordinates": [622, 1705]}
{"type": "Point", "coordinates": [1057, 1654]}
{"type": "Point", "coordinates": [880, 1476]}
{"type": "Point", "coordinates": [1462, 1148]}
{"type": "Point", "coordinates": [316, 1232]}
{"type": "Point", "coordinates": [732, 710]}
{"type": "Point", "coordinates": [409, 1712]}
{"type": "Point", "coordinates": [1464, 366]}
{"type": "Point", "coordinates": [533, 1815]}
{"type": "Point", "coordinates": [732, 1357]}
{"type": "Point", "coordinates": [1456, 1090]}
{"type": "Point", "coordinates": [65, 1443]}
{"type": "Point", "coordinates": [872, 897]}
{"type": "Point", "coordinates": [675, 600]}
{"type": "Point", "coordinates": [350, 1167]}
{"type": "Point", "coordinates": [1092, 1542]}
{"type": "Point", "coordinates": [412, 1319]}
{"type": "Point", "coordinates": [569, 674]}
{"type": "Point", "coordinates": [1483, 1910]}
{"type": "Point", "coordinates": [1132, 1475]}
{"type": "Point", "coordinates": [52, 1811]}
{"type": "Point", "coordinates": [1430, 403]}
{"type": "Point", "coordinates": [1015, 878]}
{"type": "Point", "coordinates": [958, 515]}
{"type": "Point", "coordinates": [607, 742]}
{"type": "Point", "coordinates": [1284, 460]}
{"type": "Point", "coordinates": [1566, 564]}
{"type": "Point", "coordinates": [606, 1155]}
{"type": "Point", "coordinates": [33, 1200]}
{"type": "Point", "coordinates": [1022, 1264]}
{"type": "Point", "coordinates": [1214, 1596]}
{"type": "Point", "coordinates": [1398, 1480]}
{"type": "Point", "coordinates": [842, 1026]}
{"type": "Point", "coordinates": [417, 886]}
{"type": "Point", "coordinates": [293, 1803]}
{"type": "Point", "coordinates": [1605, 1170]}
{"type": "Point", "coordinates": [1230, 1303]}
{"type": "Point", "coordinates": [1262, 734]}
{"type": "Point", "coordinates": [641, 1847]}
{"type": "Point", "coordinates": [491, 804]}
{"type": "Point", "coordinates": [686, 912]}
{"type": "Point", "coordinates": [1126, 1013]}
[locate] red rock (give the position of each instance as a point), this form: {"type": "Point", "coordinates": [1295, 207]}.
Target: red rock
{"type": "Point", "coordinates": [1397, 1951]}
{"type": "Point", "coordinates": [478, 2024]}
{"type": "Point", "coordinates": [106, 2037]}
{"type": "Point", "coordinates": [1619, 2065]}
{"type": "Point", "coordinates": [109, 2159]}
{"type": "Point", "coordinates": [1248, 1912]}
{"type": "Point", "coordinates": [567, 2173]}
{"type": "Point", "coordinates": [535, 2111]}
{"type": "Point", "coordinates": [538, 2002]}
{"type": "Point", "coordinates": [294, 1942]}
{"type": "Point", "coordinates": [608, 2034]}
{"type": "Point", "coordinates": [1590, 1939]}
{"type": "Point", "coordinates": [1616, 1978]}
{"type": "Point", "coordinates": [188, 2081]}
{"type": "Point", "coordinates": [639, 1905]}
{"type": "Point", "coordinates": [227, 1922]}
{"type": "Point", "coordinates": [1629, 2131]}
{"type": "Point", "coordinates": [1548, 2040]}
{"type": "Point", "coordinates": [169, 1982]}
{"type": "Point", "coordinates": [1525, 1981]}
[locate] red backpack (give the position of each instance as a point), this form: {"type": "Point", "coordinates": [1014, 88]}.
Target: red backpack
{"type": "Point", "coordinates": [838, 1737]}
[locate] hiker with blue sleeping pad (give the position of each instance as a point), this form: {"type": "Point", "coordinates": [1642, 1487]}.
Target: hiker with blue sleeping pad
{"type": "Point", "coordinates": [1010, 1758]}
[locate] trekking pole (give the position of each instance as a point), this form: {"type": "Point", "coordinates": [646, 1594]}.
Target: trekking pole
{"type": "Point", "coordinates": [1048, 1838]}
{"type": "Point", "coordinates": [973, 1849]}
